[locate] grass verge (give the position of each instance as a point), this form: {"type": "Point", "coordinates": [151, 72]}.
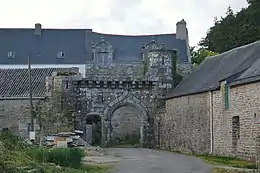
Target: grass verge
{"type": "Point", "coordinates": [227, 161]}
{"type": "Point", "coordinates": [223, 160]}
{"type": "Point", "coordinates": [222, 170]}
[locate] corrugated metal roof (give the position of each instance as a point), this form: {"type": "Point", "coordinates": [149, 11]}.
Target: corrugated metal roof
{"type": "Point", "coordinates": [15, 82]}
{"type": "Point", "coordinates": [243, 61]}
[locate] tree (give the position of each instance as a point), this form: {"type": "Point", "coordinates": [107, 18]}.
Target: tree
{"type": "Point", "coordinates": [197, 56]}
{"type": "Point", "coordinates": [234, 30]}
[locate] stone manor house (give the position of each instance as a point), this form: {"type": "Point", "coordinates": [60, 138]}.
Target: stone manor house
{"type": "Point", "coordinates": [117, 86]}
{"type": "Point", "coordinates": [108, 84]}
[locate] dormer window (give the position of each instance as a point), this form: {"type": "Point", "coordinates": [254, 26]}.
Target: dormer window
{"type": "Point", "coordinates": [61, 55]}
{"type": "Point", "coordinates": [11, 55]}
{"type": "Point", "coordinates": [102, 53]}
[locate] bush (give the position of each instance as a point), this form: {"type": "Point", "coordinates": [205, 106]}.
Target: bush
{"type": "Point", "coordinates": [12, 142]}
{"type": "Point", "coordinates": [70, 157]}
{"type": "Point", "coordinates": [16, 157]}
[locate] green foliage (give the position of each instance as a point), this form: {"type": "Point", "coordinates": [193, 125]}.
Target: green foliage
{"type": "Point", "coordinates": [12, 161]}
{"type": "Point", "coordinates": [176, 77]}
{"type": "Point", "coordinates": [69, 157]}
{"type": "Point", "coordinates": [145, 66]}
{"type": "Point", "coordinates": [11, 142]}
{"type": "Point", "coordinates": [16, 157]}
{"type": "Point", "coordinates": [197, 56]}
{"type": "Point", "coordinates": [234, 30]}
{"type": "Point", "coordinates": [228, 161]}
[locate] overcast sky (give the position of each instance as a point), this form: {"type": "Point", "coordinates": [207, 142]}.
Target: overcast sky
{"type": "Point", "coordinates": [117, 16]}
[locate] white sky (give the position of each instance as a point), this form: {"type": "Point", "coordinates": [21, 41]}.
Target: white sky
{"type": "Point", "coordinates": [117, 16]}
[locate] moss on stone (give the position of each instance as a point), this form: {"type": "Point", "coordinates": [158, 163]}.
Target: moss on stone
{"type": "Point", "coordinates": [176, 77]}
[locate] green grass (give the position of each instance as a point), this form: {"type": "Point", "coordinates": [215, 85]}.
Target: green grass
{"type": "Point", "coordinates": [70, 157]}
{"type": "Point", "coordinates": [227, 161]}
{"type": "Point", "coordinates": [16, 157]}
{"type": "Point", "coordinates": [222, 170]}
{"type": "Point", "coordinates": [223, 160]}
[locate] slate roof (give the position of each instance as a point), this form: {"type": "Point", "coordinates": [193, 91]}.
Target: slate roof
{"type": "Point", "coordinates": [235, 65]}
{"type": "Point", "coordinates": [14, 82]}
{"type": "Point", "coordinates": [76, 44]}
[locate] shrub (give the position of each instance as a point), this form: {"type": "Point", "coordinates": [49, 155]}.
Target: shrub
{"type": "Point", "coordinates": [12, 142]}
{"type": "Point", "coordinates": [70, 157]}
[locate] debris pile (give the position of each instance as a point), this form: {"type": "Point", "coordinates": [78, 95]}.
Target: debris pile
{"type": "Point", "coordinates": [73, 139]}
{"type": "Point", "coordinates": [66, 139]}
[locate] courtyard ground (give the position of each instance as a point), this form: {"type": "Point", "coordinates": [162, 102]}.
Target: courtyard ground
{"type": "Point", "coordinates": [140, 160]}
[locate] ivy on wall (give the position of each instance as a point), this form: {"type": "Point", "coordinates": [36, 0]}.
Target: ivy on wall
{"type": "Point", "coordinates": [145, 65]}
{"type": "Point", "coordinates": [55, 113]}
{"type": "Point", "coordinates": [177, 78]}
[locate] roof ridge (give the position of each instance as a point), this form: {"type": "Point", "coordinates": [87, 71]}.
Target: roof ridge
{"type": "Point", "coordinates": [217, 68]}
{"type": "Point", "coordinates": [133, 35]}
{"type": "Point", "coordinates": [235, 49]}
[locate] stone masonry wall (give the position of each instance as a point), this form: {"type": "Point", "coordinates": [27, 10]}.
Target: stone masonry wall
{"type": "Point", "coordinates": [186, 124]}
{"type": "Point", "coordinates": [245, 104]}
{"type": "Point", "coordinates": [14, 115]}
{"type": "Point", "coordinates": [258, 146]}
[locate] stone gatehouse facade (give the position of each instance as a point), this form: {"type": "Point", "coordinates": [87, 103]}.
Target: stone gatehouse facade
{"type": "Point", "coordinates": [122, 95]}
{"type": "Point", "coordinates": [121, 82]}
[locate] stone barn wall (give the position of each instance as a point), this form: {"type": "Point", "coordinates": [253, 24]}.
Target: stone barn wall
{"type": "Point", "coordinates": [186, 124]}
{"type": "Point", "coordinates": [234, 128]}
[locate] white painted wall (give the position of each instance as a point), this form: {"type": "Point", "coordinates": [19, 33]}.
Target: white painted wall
{"type": "Point", "coordinates": [80, 66]}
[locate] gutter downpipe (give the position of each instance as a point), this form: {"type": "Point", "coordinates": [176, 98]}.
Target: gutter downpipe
{"type": "Point", "coordinates": [211, 120]}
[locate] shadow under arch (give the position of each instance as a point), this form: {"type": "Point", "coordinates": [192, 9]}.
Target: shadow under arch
{"type": "Point", "coordinates": [98, 119]}
{"type": "Point", "coordinates": [133, 102]}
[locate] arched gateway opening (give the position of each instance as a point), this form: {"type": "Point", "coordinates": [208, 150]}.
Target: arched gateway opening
{"type": "Point", "coordinates": [94, 129]}
{"type": "Point", "coordinates": [126, 122]}
{"type": "Point", "coordinates": [126, 125]}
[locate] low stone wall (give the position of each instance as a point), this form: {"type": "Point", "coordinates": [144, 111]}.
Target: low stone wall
{"type": "Point", "coordinates": [14, 115]}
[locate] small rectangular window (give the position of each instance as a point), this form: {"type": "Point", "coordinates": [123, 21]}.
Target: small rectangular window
{"type": "Point", "coordinates": [226, 92]}
{"type": "Point", "coordinates": [11, 55]}
{"type": "Point", "coordinates": [67, 85]}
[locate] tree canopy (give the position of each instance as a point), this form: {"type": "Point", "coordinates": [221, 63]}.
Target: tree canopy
{"type": "Point", "coordinates": [197, 56]}
{"type": "Point", "coordinates": [234, 30]}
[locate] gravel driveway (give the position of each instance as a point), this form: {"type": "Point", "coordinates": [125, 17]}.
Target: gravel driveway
{"type": "Point", "coordinates": [140, 160]}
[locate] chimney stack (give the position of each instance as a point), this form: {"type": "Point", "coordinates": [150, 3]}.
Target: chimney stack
{"type": "Point", "coordinates": [38, 29]}
{"type": "Point", "coordinates": [181, 30]}
{"type": "Point", "coordinates": [182, 34]}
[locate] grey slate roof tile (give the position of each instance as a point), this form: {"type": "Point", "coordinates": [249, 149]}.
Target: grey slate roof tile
{"type": "Point", "coordinates": [76, 44]}
{"type": "Point", "coordinates": [15, 82]}
{"type": "Point", "coordinates": [128, 48]}
{"type": "Point", "coordinates": [235, 64]}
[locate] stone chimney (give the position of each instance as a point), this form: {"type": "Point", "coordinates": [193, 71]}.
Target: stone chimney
{"type": "Point", "coordinates": [181, 30]}
{"type": "Point", "coordinates": [38, 29]}
{"type": "Point", "coordinates": [182, 34]}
